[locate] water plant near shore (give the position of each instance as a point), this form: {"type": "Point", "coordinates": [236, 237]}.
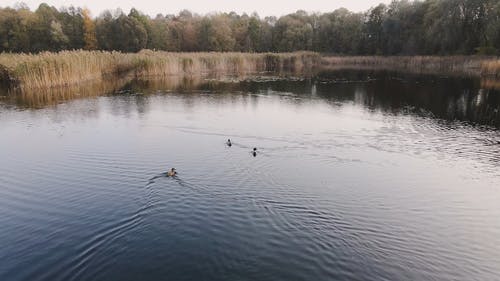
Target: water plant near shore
{"type": "Point", "coordinates": [463, 65]}
{"type": "Point", "coordinates": [68, 68]}
{"type": "Point", "coordinates": [47, 70]}
{"type": "Point", "coordinates": [491, 68]}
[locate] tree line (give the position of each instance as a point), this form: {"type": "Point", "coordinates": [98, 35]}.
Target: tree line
{"type": "Point", "coordinates": [430, 27]}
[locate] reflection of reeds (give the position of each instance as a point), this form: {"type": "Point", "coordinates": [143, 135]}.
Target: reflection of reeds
{"type": "Point", "coordinates": [37, 98]}
{"type": "Point", "coordinates": [187, 83]}
{"type": "Point", "coordinates": [46, 70]}
{"type": "Point", "coordinates": [468, 65]}
{"type": "Point", "coordinates": [491, 67]}
{"type": "Point", "coordinates": [490, 83]}
{"type": "Point", "coordinates": [178, 83]}
{"type": "Point", "coordinates": [490, 71]}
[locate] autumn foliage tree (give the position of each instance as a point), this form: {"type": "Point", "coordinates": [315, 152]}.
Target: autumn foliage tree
{"type": "Point", "coordinates": [427, 27]}
{"type": "Point", "coordinates": [89, 36]}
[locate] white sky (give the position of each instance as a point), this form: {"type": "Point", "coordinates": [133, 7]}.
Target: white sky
{"type": "Point", "coordinates": [263, 7]}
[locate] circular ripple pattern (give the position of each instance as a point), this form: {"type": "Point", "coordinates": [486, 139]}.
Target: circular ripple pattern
{"type": "Point", "coordinates": [339, 189]}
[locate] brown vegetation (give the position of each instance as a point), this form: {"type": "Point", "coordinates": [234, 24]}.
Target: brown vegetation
{"type": "Point", "coordinates": [70, 68]}
{"type": "Point", "coordinates": [463, 65]}
{"type": "Point", "coordinates": [491, 68]}
{"type": "Point", "coordinates": [38, 98]}
{"type": "Point", "coordinates": [46, 70]}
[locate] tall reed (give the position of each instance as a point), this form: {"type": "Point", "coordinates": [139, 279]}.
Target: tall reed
{"type": "Point", "coordinates": [491, 68]}
{"type": "Point", "coordinates": [46, 70]}
{"type": "Point", "coordinates": [470, 65]}
{"type": "Point", "coordinates": [67, 68]}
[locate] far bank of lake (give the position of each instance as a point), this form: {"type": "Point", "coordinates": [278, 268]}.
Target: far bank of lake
{"type": "Point", "coordinates": [71, 68]}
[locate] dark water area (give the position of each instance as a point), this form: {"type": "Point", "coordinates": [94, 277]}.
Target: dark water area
{"type": "Point", "coordinates": [357, 176]}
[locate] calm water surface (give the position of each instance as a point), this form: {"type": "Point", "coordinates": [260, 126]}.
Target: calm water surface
{"type": "Point", "coordinates": [357, 177]}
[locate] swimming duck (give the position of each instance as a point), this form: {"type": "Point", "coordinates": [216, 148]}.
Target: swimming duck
{"type": "Point", "coordinates": [229, 142]}
{"type": "Point", "coordinates": [172, 172]}
{"type": "Point", "coordinates": [254, 152]}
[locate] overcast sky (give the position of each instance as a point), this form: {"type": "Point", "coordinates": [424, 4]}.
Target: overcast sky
{"type": "Point", "coordinates": [263, 7]}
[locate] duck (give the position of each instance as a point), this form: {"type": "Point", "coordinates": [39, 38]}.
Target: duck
{"type": "Point", "coordinates": [254, 151]}
{"type": "Point", "coordinates": [172, 173]}
{"type": "Point", "coordinates": [229, 142]}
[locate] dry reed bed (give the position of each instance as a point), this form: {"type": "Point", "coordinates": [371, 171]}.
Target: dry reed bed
{"type": "Point", "coordinates": [151, 63]}
{"type": "Point", "coordinates": [470, 65]}
{"type": "Point", "coordinates": [491, 67]}
{"type": "Point", "coordinates": [47, 70]}
{"type": "Point", "coordinates": [490, 83]}
{"type": "Point", "coordinates": [67, 68]}
{"type": "Point", "coordinates": [57, 69]}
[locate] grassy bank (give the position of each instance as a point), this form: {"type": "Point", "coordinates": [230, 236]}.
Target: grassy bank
{"type": "Point", "coordinates": [463, 65]}
{"type": "Point", "coordinates": [48, 70]}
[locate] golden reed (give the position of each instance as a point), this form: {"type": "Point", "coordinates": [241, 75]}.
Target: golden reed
{"type": "Point", "coordinates": [69, 68]}
{"type": "Point", "coordinates": [468, 65]}
{"type": "Point", "coordinates": [66, 68]}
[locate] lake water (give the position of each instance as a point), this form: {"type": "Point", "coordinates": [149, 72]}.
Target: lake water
{"type": "Point", "coordinates": [358, 176]}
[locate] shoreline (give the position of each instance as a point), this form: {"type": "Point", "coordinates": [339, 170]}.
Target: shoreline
{"type": "Point", "coordinates": [478, 66]}
{"type": "Point", "coordinates": [69, 68]}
